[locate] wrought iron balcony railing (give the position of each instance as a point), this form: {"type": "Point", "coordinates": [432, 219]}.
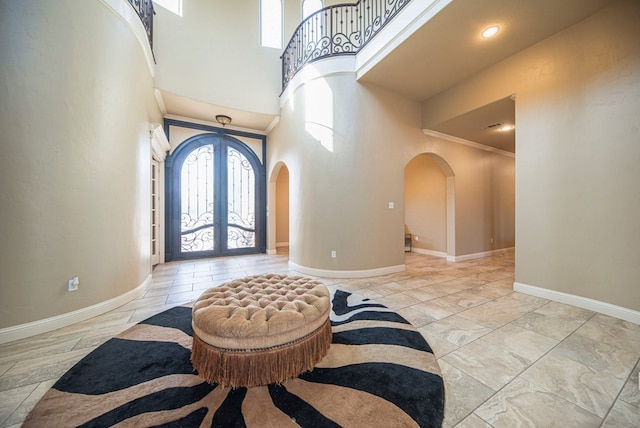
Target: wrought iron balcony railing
{"type": "Point", "coordinates": [144, 9]}
{"type": "Point", "coordinates": [336, 30]}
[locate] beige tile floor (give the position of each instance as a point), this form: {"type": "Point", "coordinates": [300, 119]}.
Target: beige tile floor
{"type": "Point", "coordinates": [508, 359]}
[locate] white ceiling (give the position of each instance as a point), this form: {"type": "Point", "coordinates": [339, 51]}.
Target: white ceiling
{"type": "Point", "coordinates": [445, 51]}
{"type": "Point", "coordinates": [484, 125]}
{"type": "Point", "coordinates": [177, 105]}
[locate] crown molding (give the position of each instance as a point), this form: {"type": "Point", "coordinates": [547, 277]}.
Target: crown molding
{"type": "Point", "coordinates": [451, 138]}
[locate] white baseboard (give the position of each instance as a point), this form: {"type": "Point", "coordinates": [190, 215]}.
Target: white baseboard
{"type": "Point", "coordinates": [473, 256]}
{"type": "Point", "coordinates": [272, 252]}
{"type": "Point", "coordinates": [347, 273]}
{"type": "Point", "coordinates": [21, 331]}
{"type": "Point", "coordinates": [282, 244]}
{"type": "Point", "coordinates": [579, 301]}
{"type": "Point", "coordinates": [426, 252]}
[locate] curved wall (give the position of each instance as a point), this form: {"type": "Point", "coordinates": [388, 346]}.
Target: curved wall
{"type": "Point", "coordinates": [346, 145]}
{"type": "Point", "coordinates": [75, 107]}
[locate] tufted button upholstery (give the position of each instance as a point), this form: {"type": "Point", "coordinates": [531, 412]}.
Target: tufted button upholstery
{"type": "Point", "coordinates": [261, 311]}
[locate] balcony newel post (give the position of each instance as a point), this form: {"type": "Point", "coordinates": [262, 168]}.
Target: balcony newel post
{"type": "Point", "coordinates": [330, 34]}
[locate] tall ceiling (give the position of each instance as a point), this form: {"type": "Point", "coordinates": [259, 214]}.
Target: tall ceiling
{"type": "Point", "coordinates": [443, 52]}
{"type": "Point", "coordinates": [449, 49]}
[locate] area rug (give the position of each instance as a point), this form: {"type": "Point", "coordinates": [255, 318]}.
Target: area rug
{"type": "Point", "coordinates": [379, 372]}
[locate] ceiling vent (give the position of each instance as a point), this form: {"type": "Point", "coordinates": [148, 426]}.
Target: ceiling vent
{"type": "Point", "coordinates": [492, 125]}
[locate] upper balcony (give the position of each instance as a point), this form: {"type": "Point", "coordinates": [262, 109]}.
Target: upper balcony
{"type": "Point", "coordinates": [336, 30]}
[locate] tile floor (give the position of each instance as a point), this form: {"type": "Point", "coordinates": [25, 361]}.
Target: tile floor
{"type": "Point", "coordinates": [508, 359]}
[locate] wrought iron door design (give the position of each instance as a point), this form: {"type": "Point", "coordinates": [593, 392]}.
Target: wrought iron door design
{"type": "Point", "coordinates": [216, 204]}
{"type": "Point", "coordinates": [241, 207]}
{"type": "Point", "coordinates": [197, 201]}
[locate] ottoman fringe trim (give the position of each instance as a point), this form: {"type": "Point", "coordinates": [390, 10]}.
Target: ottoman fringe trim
{"type": "Point", "coordinates": [256, 367]}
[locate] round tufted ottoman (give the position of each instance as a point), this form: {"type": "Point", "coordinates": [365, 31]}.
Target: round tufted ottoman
{"type": "Point", "coordinates": [260, 330]}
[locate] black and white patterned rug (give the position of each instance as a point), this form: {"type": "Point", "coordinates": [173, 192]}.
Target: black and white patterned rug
{"type": "Point", "coordinates": [379, 372]}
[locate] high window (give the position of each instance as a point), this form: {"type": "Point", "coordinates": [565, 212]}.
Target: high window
{"type": "Point", "coordinates": [174, 6]}
{"type": "Point", "coordinates": [271, 23]}
{"type": "Point", "coordinates": [310, 6]}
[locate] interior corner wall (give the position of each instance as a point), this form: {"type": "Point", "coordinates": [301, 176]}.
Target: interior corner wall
{"type": "Point", "coordinates": [75, 107]}
{"type": "Point", "coordinates": [578, 155]}
{"type": "Point", "coordinates": [577, 104]}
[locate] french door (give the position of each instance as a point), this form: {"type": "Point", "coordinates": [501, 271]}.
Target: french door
{"type": "Point", "coordinates": [216, 201]}
{"type": "Point", "coordinates": [155, 213]}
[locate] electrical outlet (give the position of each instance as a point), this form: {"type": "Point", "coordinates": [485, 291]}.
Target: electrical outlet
{"type": "Point", "coordinates": [74, 283]}
{"type": "Point", "coordinates": [333, 254]}
{"type": "Point", "coordinates": [417, 238]}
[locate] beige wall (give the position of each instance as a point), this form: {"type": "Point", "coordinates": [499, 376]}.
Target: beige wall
{"type": "Point", "coordinates": [347, 146]}
{"type": "Point", "coordinates": [578, 205]}
{"type": "Point", "coordinates": [212, 53]}
{"type": "Point", "coordinates": [292, 16]}
{"type": "Point", "coordinates": [75, 106]}
{"type": "Point", "coordinates": [425, 204]}
{"type": "Point", "coordinates": [503, 201]}
{"type": "Point", "coordinates": [341, 178]}
{"type": "Point", "coordinates": [579, 151]}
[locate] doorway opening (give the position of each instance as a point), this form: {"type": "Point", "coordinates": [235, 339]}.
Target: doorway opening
{"type": "Point", "coordinates": [430, 206]}
{"type": "Point", "coordinates": [215, 199]}
{"type": "Point", "coordinates": [282, 210]}
{"type": "Point", "coordinates": [279, 210]}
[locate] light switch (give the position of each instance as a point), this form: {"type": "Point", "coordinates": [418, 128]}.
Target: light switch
{"type": "Point", "coordinates": [391, 205]}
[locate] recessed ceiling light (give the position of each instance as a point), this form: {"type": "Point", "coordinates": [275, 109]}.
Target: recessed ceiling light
{"type": "Point", "coordinates": [507, 128]}
{"type": "Point", "coordinates": [490, 31]}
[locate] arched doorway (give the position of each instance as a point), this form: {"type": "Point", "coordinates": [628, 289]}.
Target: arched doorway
{"type": "Point", "coordinates": [282, 209]}
{"type": "Point", "coordinates": [278, 209]}
{"type": "Point", "coordinates": [215, 199]}
{"type": "Point", "coordinates": [430, 205]}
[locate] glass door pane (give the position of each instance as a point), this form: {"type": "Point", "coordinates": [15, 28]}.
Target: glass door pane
{"type": "Point", "coordinates": [197, 204]}
{"type": "Point", "coordinates": [241, 201]}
